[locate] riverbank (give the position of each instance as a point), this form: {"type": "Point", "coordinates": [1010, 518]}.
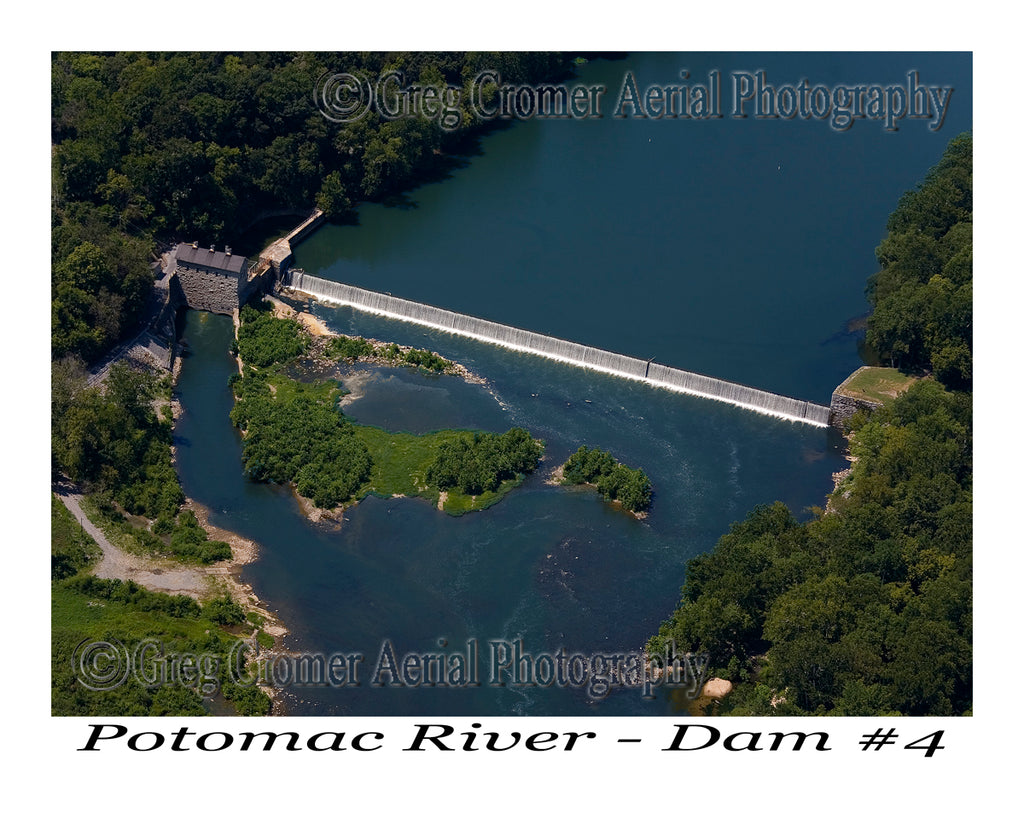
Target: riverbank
{"type": "Point", "coordinates": [165, 575]}
{"type": "Point", "coordinates": [243, 550]}
{"type": "Point", "coordinates": [142, 562]}
{"type": "Point", "coordinates": [617, 504]}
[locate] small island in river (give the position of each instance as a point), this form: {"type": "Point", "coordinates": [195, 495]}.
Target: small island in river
{"type": "Point", "coordinates": [615, 482]}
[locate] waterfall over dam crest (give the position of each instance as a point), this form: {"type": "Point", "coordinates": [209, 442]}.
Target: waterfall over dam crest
{"type": "Point", "coordinates": [568, 352]}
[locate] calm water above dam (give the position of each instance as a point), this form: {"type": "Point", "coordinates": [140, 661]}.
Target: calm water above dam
{"type": "Point", "coordinates": [739, 249]}
{"type": "Point", "coordinates": [735, 248]}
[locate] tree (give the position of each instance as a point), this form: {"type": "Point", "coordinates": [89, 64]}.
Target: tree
{"type": "Point", "coordinates": [866, 609]}
{"type": "Point", "coordinates": [922, 316]}
{"type": "Point", "coordinates": [332, 198]}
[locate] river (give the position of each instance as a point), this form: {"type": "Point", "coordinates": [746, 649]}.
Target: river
{"type": "Point", "coordinates": [736, 248]}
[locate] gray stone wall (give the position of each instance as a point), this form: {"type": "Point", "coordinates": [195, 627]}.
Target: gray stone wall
{"type": "Point", "coordinates": [201, 286]}
{"type": "Point", "coordinates": [843, 407]}
{"type": "Point", "coordinates": [215, 292]}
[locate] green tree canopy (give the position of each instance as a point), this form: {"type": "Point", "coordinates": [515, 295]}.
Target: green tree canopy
{"type": "Point", "coordinates": [922, 295]}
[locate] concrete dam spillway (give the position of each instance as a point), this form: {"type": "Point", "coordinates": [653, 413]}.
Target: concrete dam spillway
{"type": "Point", "coordinates": [568, 352]}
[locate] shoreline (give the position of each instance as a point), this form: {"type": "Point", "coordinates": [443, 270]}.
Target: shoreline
{"type": "Point", "coordinates": [228, 573]}
{"type": "Point", "coordinates": [243, 550]}
{"type": "Point", "coordinates": [318, 329]}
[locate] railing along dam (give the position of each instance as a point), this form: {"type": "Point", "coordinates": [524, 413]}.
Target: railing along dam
{"type": "Point", "coordinates": [568, 352]}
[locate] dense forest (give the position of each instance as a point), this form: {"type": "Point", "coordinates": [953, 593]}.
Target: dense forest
{"type": "Point", "coordinates": [867, 608]}
{"type": "Point", "coordinates": [299, 436]}
{"type": "Point", "coordinates": [484, 461]}
{"type": "Point", "coordinates": [112, 441]}
{"type": "Point", "coordinates": [149, 149]}
{"type": "Point", "coordinates": [922, 296]}
{"type": "Point", "coordinates": [197, 147]}
{"type": "Point", "coordinates": [293, 432]}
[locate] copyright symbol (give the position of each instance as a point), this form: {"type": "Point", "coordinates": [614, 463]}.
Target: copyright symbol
{"type": "Point", "coordinates": [100, 665]}
{"type": "Point", "coordinates": [343, 97]}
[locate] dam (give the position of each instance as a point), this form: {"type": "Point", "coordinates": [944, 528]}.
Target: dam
{"type": "Point", "coordinates": [568, 352]}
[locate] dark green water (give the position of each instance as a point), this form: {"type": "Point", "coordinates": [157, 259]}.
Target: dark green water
{"type": "Point", "coordinates": [735, 248]}
{"type": "Point", "coordinates": [680, 240]}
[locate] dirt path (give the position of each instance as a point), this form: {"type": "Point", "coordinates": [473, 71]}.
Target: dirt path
{"type": "Point", "coordinates": [171, 577]}
{"type": "Point", "coordinates": [152, 573]}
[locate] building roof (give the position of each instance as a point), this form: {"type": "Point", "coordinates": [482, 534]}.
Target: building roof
{"type": "Point", "coordinates": [186, 254]}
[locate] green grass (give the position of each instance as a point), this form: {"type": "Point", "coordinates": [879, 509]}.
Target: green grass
{"type": "Point", "coordinates": [73, 611]}
{"type": "Point", "coordinates": [286, 388]}
{"type": "Point", "coordinates": [264, 639]}
{"type": "Point", "coordinates": [458, 504]}
{"type": "Point", "coordinates": [877, 384]}
{"type": "Point", "coordinates": [72, 548]}
{"type": "Point", "coordinates": [400, 463]}
{"type": "Point", "coordinates": [79, 618]}
{"type": "Point", "coordinates": [85, 610]}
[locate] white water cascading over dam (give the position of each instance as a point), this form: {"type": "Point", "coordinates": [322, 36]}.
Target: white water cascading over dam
{"type": "Point", "coordinates": [568, 352]}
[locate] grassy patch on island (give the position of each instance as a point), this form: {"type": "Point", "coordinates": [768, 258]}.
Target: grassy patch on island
{"type": "Point", "coordinates": [401, 460]}
{"type": "Point", "coordinates": [402, 465]}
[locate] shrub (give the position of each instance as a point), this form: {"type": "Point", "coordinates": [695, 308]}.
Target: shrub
{"type": "Point", "coordinates": [224, 610]}
{"type": "Point", "coordinates": [264, 340]}
{"type": "Point", "coordinates": [350, 348]}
